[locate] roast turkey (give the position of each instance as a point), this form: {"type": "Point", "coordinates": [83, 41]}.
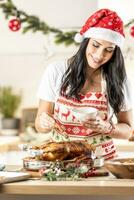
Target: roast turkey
{"type": "Point", "coordinates": [53, 151]}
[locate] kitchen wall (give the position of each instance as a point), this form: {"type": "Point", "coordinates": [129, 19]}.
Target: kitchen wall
{"type": "Point", "coordinates": [23, 58]}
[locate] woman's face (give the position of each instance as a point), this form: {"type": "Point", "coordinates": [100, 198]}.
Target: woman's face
{"type": "Point", "coordinates": [98, 52]}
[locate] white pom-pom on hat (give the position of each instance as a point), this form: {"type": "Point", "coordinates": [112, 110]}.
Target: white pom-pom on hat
{"type": "Point", "coordinates": [78, 38]}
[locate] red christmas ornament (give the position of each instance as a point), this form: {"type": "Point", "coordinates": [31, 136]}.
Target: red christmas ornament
{"type": "Point", "coordinates": [132, 31]}
{"type": "Point", "coordinates": [14, 24]}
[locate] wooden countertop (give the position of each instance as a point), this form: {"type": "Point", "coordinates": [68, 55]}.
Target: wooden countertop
{"type": "Point", "coordinates": [92, 186]}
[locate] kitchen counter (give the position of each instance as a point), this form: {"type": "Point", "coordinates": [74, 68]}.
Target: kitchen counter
{"type": "Point", "coordinates": [92, 186]}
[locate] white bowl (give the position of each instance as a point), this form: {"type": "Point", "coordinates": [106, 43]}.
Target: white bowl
{"type": "Point", "coordinates": [84, 113]}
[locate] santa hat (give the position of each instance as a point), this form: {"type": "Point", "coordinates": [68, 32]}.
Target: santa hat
{"type": "Point", "coordinates": [103, 24]}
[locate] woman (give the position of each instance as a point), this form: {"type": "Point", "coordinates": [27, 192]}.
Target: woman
{"type": "Point", "coordinates": [94, 77]}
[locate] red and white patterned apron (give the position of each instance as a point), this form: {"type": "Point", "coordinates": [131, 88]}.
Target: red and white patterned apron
{"type": "Point", "coordinates": [75, 130]}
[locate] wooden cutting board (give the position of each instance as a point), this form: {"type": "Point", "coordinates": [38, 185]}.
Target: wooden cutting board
{"type": "Point", "coordinates": [8, 177]}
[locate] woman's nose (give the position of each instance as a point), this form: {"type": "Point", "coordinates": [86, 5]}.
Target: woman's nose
{"type": "Point", "coordinates": [99, 55]}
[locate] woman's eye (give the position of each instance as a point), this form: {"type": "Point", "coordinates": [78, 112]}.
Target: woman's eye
{"type": "Point", "coordinates": [95, 45]}
{"type": "Point", "coordinates": [109, 50]}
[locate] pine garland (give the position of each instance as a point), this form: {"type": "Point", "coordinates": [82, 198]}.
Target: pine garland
{"type": "Point", "coordinates": [34, 24]}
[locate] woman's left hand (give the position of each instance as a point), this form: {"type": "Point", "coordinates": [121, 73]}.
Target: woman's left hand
{"type": "Point", "coordinates": [97, 125]}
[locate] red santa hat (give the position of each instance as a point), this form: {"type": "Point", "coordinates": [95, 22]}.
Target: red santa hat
{"type": "Point", "coordinates": [103, 24]}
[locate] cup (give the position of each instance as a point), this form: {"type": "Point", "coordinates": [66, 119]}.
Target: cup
{"type": "Point", "coordinates": [84, 113]}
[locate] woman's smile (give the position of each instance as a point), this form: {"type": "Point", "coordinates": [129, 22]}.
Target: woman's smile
{"type": "Point", "coordinates": [93, 61]}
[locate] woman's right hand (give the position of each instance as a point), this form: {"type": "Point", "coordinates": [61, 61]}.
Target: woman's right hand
{"type": "Point", "coordinates": [45, 122]}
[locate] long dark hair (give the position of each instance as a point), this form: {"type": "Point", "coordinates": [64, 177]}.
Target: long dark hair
{"type": "Point", "coordinates": [113, 71]}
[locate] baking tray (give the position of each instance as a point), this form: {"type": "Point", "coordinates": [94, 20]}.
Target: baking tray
{"type": "Point", "coordinates": [35, 165]}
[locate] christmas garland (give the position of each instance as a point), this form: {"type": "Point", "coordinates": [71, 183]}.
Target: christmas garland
{"type": "Point", "coordinates": [32, 22]}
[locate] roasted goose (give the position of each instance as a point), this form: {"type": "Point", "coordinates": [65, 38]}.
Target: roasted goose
{"type": "Point", "coordinates": [64, 150]}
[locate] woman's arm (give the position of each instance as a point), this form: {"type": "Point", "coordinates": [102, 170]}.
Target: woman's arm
{"type": "Point", "coordinates": [43, 122]}
{"type": "Point", "coordinates": [124, 127]}
{"type": "Point", "coordinates": [122, 130]}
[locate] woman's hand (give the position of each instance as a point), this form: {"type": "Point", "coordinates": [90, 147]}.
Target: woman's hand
{"type": "Point", "coordinates": [98, 125]}
{"type": "Point", "coordinates": [46, 122]}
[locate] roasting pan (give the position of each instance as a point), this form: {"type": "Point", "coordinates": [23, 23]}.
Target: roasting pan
{"type": "Point", "coordinates": [35, 165]}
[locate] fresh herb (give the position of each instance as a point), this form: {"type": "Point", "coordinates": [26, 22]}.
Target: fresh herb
{"type": "Point", "coordinates": [58, 172]}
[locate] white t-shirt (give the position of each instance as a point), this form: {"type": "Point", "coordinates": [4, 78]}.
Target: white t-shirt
{"type": "Point", "coordinates": [51, 81]}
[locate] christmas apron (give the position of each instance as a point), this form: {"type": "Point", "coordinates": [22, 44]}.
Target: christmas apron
{"type": "Point", "coordinates": [75, 131]}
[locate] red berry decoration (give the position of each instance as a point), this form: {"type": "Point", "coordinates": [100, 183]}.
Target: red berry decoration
{"type": "Point", "coordinates": [14, 24]}
{"type": "Point", "coordinates": [132, 31]}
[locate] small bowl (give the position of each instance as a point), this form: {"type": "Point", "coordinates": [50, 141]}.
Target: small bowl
{"type": "Point", "coordinates": [82, 114]}
{"type": "Point", "coordinates": [121, 167]}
